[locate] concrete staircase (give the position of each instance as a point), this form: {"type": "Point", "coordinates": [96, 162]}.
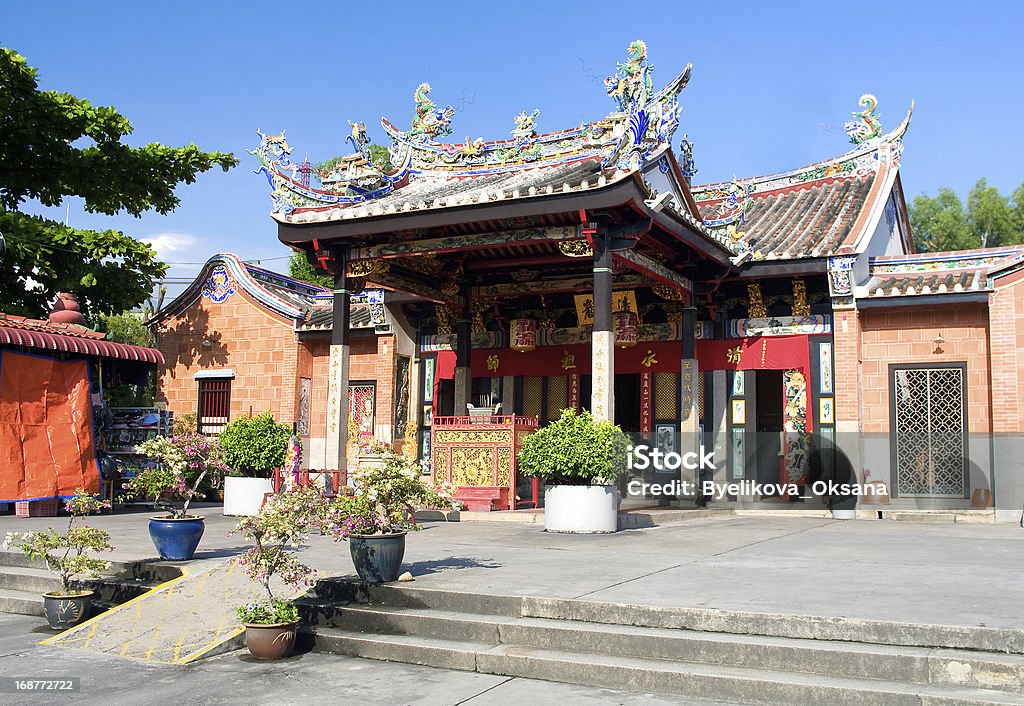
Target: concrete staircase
{"type": "Point", "coordinates": [703, 654]}
{"type": "Point", "coordinates": [23, 581]}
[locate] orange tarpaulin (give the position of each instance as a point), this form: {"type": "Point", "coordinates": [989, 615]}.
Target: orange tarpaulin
{"type": "Point", "coordinates": [46, 441]}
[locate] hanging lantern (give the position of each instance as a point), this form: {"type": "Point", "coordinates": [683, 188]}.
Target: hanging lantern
{"type": "Point", "coordinates": [522, 334]}
{"type": "Point", "coordinates": [627, 329]}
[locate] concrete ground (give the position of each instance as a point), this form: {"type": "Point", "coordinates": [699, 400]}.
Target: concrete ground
{"type": "Point", "coordinates": [945, 574]}
{"type": "Point", "coordinates": [310, 678]}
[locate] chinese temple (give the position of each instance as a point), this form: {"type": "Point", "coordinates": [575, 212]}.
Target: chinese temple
{"type": "Point", "coordinates": [767, 318]}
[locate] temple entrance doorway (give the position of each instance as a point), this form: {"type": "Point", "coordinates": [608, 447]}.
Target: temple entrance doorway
{"type": "Point", "coordinates": [627, 402]}
{"type": "Point", "coordinates": [768, 426]}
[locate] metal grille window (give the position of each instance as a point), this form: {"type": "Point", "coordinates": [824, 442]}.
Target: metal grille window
{"type": "Point", "coordinates": [929, 412]}
{"type": "Point", "coordinates": [214, 405]}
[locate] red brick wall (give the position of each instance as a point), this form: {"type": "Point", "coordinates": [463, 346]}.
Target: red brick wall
{"type": "Point", "coordinates": [259, 347]}
{"type": "Point", "coordinates": [907, 335]}
{"type": "Point", "coordinates": [846, 352]}
{"type": "Point", "coordinates": [1006, 341]}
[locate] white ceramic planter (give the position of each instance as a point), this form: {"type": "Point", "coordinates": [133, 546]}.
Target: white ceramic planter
{"type": "Point", "coordinates": [244, 496]}
{"type": "Point", "coordinates": [581, 509]}
{"type": "Point", "coordinates": [844, 514]}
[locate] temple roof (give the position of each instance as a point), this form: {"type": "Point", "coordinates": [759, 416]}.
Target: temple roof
{"type": "Point", "coordinates": [956, 272]}
{"type": "Point", "coordinates": [306, 304]}
{"type": "Point", "coordinates": [819, 210]}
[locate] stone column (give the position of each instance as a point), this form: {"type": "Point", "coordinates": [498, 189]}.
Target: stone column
{"type": "Point", "coordinates": [602, 396]}
{"type": "Point", "coordinates": [689, 409]}
{"type": "Point", "coordinates": [338, 368]}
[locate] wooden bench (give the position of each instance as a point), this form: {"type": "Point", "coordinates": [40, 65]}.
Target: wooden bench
{"type": "Point", "coordinates": [482, 498]}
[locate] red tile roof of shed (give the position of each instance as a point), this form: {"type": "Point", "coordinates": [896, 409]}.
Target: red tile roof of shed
{"type": "Point", "coordinates": [36, 333]}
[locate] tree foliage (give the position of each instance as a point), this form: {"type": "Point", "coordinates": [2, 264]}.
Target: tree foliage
{"type": "Point", "coordinates": [989, 219]}
{"type": "Point", "coordinates": [299, 268]}
{"type": "Point", "coordinates": [54, 145]}
{"type": "Point", "coordinates": [255, 446]}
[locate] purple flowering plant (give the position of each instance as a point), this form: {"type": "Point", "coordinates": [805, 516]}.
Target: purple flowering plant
{"type": "Point", "coordinates": [185, 462]}
{"type": "Point", "coordinates": [386, 497]}
{"type": "Point", "coordinates": [276, 532]}
{"type": "Point", "coordinates": [67, 553]}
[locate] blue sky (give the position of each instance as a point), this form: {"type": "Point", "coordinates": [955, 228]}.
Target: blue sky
{"type": "Point", "coordinates": [772, 84]}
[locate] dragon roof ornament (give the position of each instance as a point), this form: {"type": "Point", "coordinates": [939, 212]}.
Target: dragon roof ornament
{"type": "Point", "coordinates": [624, 140]}
{"type": "Point", "coordinates": [868, 123]}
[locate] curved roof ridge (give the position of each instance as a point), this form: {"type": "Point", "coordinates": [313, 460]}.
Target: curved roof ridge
{"type": "Point", "coordinates": [892, 138]}
{"type": "Point", "coordinates": [240, 274]}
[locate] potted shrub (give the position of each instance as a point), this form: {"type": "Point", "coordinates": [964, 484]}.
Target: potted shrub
{"type": "Point", "coordinates": [377, 517]}
{"type": "Point", "coordinates": [577, 458]}
{"type": "Point", "coordinates": [67, 555]}
{"type": "Point", "coordinates": [279, 528]}
{"type": "Point", "coordinates": [253, 448]}
{"type": "Point", "coordinates": [185, 462]}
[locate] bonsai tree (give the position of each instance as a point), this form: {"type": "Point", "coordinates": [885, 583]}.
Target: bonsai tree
{"type": "Point", "coordinates": [255, 446]}
{"type": "Point", "coordinates": [386, 497]}
{"type": "Point", "coordinates": [67, 553]}
{"type": "Point", "coordinates": [575, 450]}
{"type": "Point", "coordinates": [184, 461]}
{"type": "Point", "coordinates": [281, 526]}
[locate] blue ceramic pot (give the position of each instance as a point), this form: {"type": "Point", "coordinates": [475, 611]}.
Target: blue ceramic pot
{"type": "Point", "coordinates": [176, 539]}
{"type": "Point", "coordinates": [377, 557]}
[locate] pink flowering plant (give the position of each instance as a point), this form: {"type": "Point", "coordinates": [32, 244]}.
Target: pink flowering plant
{"type": "Point", "coordinates": [67, 553]}
{"type": "Point", "coordinates": [386, 497]}
{"type": "Point", "coordinates": [185, 462]}
{"type": "Point", "coordinates": [280, 528]}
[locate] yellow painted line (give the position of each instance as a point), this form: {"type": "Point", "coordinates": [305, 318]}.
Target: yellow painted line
{"type": "Point", "coordinates": [234, 633]}
{"type": "Point", "coordinates": [185, 573]}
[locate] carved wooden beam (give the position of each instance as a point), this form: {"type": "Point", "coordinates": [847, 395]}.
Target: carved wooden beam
{"type": "Point", "coordinates": [456, 243]}
{"type": "Point", "coordinates": [555, 286]}
{"type": "Point", "coordinates": [653, 269]}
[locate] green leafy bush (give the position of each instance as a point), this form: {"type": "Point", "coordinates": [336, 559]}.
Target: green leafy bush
{"type": "Point", "coordinates": [574, 450]}
{"type": "Point", "coordinates": [255, 446]}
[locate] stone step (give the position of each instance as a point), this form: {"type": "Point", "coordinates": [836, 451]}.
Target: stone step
{"type": "Point", "coordinates": [21, 602]}
{"type": "Point", "coordinates": [825, 658]}
{"type": "Point", "coordinates": [644, 674]}
{"type": "Point", "coordinates": [29, 580]}
{"type": "Point", "coordinates": [331, 593]}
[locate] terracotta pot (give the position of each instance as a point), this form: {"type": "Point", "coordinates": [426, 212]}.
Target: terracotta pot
{"type": "Point", "coordinates": [271, 641]}
{"type": "Point", "coordinates": [65, 610]}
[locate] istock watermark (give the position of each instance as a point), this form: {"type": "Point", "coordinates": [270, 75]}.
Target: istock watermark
{"type": "Point", "coordinates": [643, 457]}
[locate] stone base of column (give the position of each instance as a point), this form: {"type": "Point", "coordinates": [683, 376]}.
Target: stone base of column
{"type": "Point", "coordinates": [602, 396]}
{"type": "Point", "coordinates": [337, 408]}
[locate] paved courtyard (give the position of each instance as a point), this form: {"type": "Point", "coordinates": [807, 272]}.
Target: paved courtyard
{"type": "Point", "coordinates": [944, 574]}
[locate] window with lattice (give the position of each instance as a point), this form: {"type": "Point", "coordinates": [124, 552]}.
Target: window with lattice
{"type": "Point", "coordinates": [666, 396]}
{"type": "Point", "coordinates": [558, 396]}
{"type": "Point", "coordinates": [929, 430]}
{"type": "Point", "coordinates": [533, 396]}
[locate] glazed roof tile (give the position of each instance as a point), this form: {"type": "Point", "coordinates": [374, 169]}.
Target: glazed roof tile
{"type": "Point", "coordinates": [438, 191]}
{"type": "Point", "coordinates": [939, 273]}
